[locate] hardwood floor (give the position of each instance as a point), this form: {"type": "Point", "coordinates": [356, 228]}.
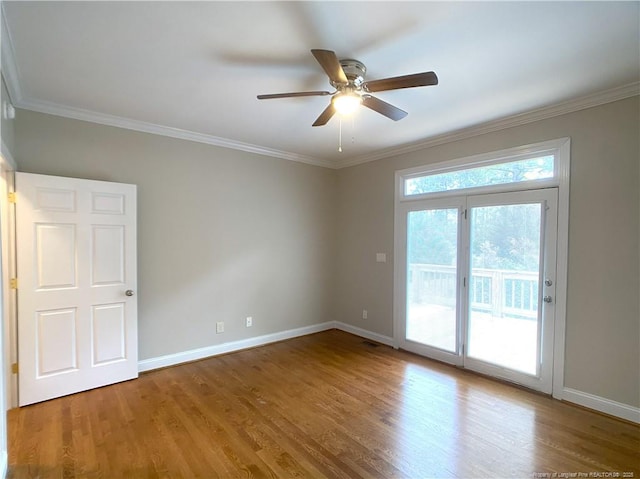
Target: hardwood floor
{"type": "Point", "coordinates": [325, 405]}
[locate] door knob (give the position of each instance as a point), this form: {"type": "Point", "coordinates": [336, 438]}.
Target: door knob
{"type": "Point", "coordinates": [547, 299]}
{"type": "Point", "coordinates": [129, 292]}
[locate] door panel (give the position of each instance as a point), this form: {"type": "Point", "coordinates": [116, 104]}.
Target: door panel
{"type": "Point", "coordinates": [108, 333]}
{"type": "Point", "coordinates": [56, 341]}
{"type": "Point", "coordinates": [512, 247]}
{"type": "Point", "coordinates": [76, 258]}
{"type": "Point", "coordinates": [433, 273]}
{"type": "Point", "coordinates": [55, 256]}
{"type": "Point", "coordinates": [107, 255]}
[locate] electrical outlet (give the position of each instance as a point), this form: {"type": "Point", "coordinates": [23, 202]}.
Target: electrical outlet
{"type": "Point", "coordinates": [249, 322]}
{"type": "Point", "coordinates": [365, 314]}
{"type": "Point", "coordinates": [220, 327]}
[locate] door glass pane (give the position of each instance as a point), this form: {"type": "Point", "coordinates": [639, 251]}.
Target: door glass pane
{"type": "Point", "coordinates": [432, 245]}
{"type": "Point", "coordinates": [503, 290]}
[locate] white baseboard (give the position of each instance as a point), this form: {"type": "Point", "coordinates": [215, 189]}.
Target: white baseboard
{"type": "Point", "coordinates": [201, 353]}
{"type": "Point", "coordinates": [591, 401]}
{"type": "Point", "coordinates": [363, 333]}
{"type": "Point", "coordinates": [208, 351]}
{"type": "Point", "coordinates": [607, 406]}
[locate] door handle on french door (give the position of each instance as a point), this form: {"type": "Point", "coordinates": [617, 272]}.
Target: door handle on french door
{"type": "Point", "coordinates": [129, 292]}
{"type": "Point", "coordinates": [547, 299]}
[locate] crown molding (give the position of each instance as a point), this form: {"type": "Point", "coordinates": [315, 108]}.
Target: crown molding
{"type": "Point", "coordinates": [569, 106]}
{"type": "Point", "coordinates": [11, 75]}
{"type": "Point", "coordinates": [155, 129]}
{"type": "Point", "coordinates": [9, 68]}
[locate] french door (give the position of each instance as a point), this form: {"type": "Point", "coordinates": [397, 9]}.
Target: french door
{"type": "Point", "coordinates": [479, 275]}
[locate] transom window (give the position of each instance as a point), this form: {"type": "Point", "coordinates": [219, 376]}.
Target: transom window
{"type": "Point", "coordinates": [515, 169]}
{"type": "Point", "coordinates": [501, 173]}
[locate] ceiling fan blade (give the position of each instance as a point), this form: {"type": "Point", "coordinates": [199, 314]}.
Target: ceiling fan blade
{"type": "Point", "coordinates": [383, 108]}
{"type": "Point", "coordinates": [325, 116]}
{"type": "Point", "coordinates": [292, 95]}
{"type": "Point", "coordinates": [331, 65]}
{"type": "Point", "coordinates": [405, 81]}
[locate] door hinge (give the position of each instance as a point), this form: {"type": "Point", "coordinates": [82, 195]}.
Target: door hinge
{"type": "Point", "coordinates": [13, 283]}
{"type": "Point", "coordinates": [12, 197]}
{"type": "Point", "coordinates": [14, 368]}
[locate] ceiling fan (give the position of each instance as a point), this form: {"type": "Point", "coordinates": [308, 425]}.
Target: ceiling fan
{"type": "Point", "coordinates": [347, 77]}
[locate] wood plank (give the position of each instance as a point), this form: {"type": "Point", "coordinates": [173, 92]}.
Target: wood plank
{"type": "Point", "coordinates": [325, 405]}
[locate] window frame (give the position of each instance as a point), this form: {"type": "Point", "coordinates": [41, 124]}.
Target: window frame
{"type": "Point", "coordinates": [549, 148]}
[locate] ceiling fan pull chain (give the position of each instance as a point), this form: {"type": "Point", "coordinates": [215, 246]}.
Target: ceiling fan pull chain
{"type": "Point", "coordinates": [340, 136]}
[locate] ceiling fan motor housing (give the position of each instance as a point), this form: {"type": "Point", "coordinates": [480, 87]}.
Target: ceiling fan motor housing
{"type": "Point", "coordinates": [354, 71]}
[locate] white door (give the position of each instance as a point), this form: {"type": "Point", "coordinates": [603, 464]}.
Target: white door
{"type": "Point", "coordinates": [76, 268]}
{"type": "Point", "coordinates": [479, 274]}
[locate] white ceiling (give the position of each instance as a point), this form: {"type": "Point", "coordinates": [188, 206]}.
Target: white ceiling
{"type": "Point", "coordinates": [193, 69]}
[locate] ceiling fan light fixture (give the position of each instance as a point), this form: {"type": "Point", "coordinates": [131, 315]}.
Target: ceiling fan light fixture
{"type": "Point", "coordinates": [346, 103]}
{"type": "Point", "coordinates": [351, 90]}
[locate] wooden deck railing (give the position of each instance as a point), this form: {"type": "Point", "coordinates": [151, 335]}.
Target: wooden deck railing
{"type": "Point", "coordinates": [495, 291]}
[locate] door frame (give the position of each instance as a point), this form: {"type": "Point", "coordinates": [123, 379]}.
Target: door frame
{"type": "Point", "coordinates": [561, 149]}
{"type": "Point", "coordinates": [9, 303]}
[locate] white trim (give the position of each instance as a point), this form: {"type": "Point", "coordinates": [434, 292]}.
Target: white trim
{"type": "Point", "coordinates": [215, 350]}
{"type": "Point", "coordinates": [597, 403]}
{"type": "Point", "coordinates": [145, 127]}
{"type": "Point", "coordinates": [363, 333]}
{"type": "Point", "coordinates": [224, 348]}
{"type": "Point", "coordinates": [6, 159]}
{"type": "Point", "coordinates": [563, 108]}
{"type": "Point", "coordinates": [563, 166]}
{"type": "Point", "coordinates": [12, 78]}
{"type": "Point", "coordinates": [590, 401]}
{"type": "Point", "coordinates": [507, 155]}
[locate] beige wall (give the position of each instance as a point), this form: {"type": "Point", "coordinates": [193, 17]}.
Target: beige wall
{"type": "Point", "coordinates": [602, 334]}
{"type": "Point", "coordinates": [222, 234]}
{"type": "Point", "coordinates": [225, 234]}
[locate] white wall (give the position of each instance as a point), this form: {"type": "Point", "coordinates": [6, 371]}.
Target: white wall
{"type": "Point", "coordinates": [603, 319]}
{"type": "Point", "coordinates": [222, 234]}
